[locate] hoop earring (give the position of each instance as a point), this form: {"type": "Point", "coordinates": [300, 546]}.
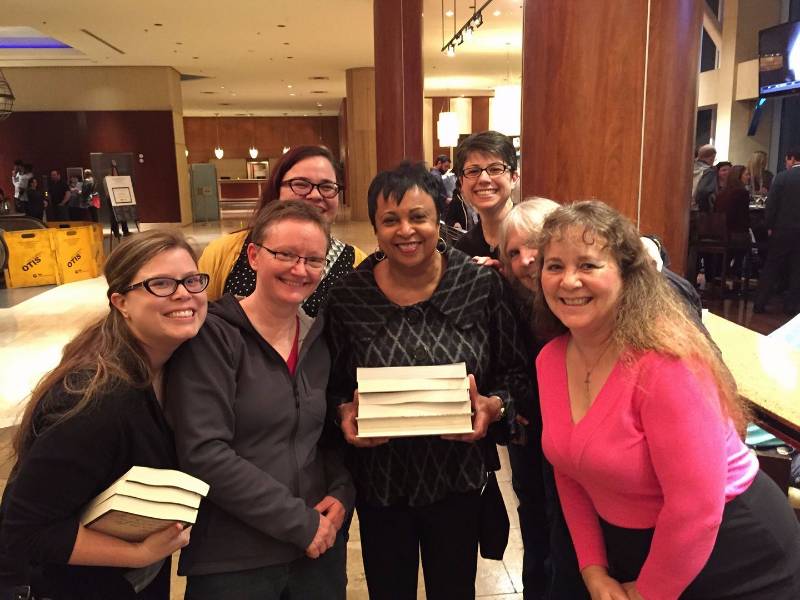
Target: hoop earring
{"type": "Point", "coordinates": [379, 254]}
{"type": "Point", "coordinates": [441, 246]}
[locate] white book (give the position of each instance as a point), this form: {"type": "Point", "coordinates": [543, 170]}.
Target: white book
{"type": "Point", "coordinates": [134, 519]}
{"type": "Point", "coordinates": [414, 426]}
{"type": "Point", "coordinates": [453, 371]}
{"type": "Point", "coordinates": [414, 409]}
{"type": "Point", "coordinates": [143, 501]}
{"type": "Point", "coordinates": [401, 385]}
{"type": "Point", "coordinates": [431, 396]}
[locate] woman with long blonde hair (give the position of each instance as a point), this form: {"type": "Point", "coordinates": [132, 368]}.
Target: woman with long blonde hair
{"type": "Point", "coordinates": [92, 418]}
{"type": "Point", "coordinates": [641, 421]}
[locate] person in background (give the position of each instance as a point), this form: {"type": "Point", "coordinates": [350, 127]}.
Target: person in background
{"type": "Point", "coordinates": [306, 173]}
{"type": "Point", "coordinates": [58, 196]}
{"type": "Point", "coordinates": [90, 198]}
{"type": "Point", "coordinates": [627, 374]}
{"type": "Point", "coordinates": [704, 178]}
{"type": "Point", "coordinates": [486, 167]}
{"type": "Point", "coordinates": [660, 258]}
{"type": "Point", "coordinates": [247, 402]}
{"type": "Point", "coordinates": [74, 200]}
{"type": "Point", "coordinates": [34, 200]}
{"type": "Point", "coordinates": [734, 201]}
{"type": "Point", "coordinates": [549, 565]}
{"type": "Point", "coordinates": [418, 302]}
{"type": "Point", "coordinates": [4, 207]}
{"type": "Point", "coordinates": [16, 174]}
{"type": "Point", "coordinates": [783, 225]}
{"type": "Point", "coordinates": [760, 177]}
{"type": "Point", "coordinates": [91, 419]}
{"type": "Point", "coordinates": [23, 179]}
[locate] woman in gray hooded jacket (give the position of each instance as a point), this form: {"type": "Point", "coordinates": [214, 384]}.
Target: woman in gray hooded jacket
{"type": "Point", "coordinates": [247, 403]}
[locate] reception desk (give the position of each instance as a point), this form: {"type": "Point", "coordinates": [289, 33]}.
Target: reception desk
{"type": "Point", "coordinates": [767, 372]}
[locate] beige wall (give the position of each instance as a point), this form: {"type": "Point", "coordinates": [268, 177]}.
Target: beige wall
{"type": "Point", "coordinates": [55, 89]}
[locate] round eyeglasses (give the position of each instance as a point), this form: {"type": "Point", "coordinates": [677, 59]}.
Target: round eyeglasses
{"type": "Point", "coordinates": [166, 286]}
{"type": "Point", "coordinates": [315, 263]}
{"type": "Point", "coordinates": [493, 170]}
{"type": "Point", "coordinates": [303, 187]}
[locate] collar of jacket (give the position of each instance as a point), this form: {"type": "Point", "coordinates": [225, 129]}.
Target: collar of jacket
{"type": "Point", "coordinates": [460, 295]}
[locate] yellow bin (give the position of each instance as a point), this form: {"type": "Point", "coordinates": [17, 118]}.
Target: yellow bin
{"type": "Point", "coordinates": [98, 251]}
{"type": "Point", "coordinates": [31, 259]}
{"type": "Point", "coordinates": [75, 253]}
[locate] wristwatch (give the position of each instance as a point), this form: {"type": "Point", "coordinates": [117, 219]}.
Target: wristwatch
{"type": "Point", "coordinates": [502, 409]}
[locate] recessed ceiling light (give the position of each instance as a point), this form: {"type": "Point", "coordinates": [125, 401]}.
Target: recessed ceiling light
{"type": "Point", "coordinates": [281, 26]}
{"type": "Point", "coordinates": [224, 103]}
{"type": "Point", "coordinates": [449, 13]}
{"type": "Point", "coordinates": [319, 104]}
{"type": "Point", "coordinates": [195, 57]}
{"type": "Point", "coordinates": [319, 91]}
{"type": "Point", "coordinates": [286, 43]}
{"type": "Point", "coordinates": [319, 78]}
{"type": "Point", "coordinates": [179, 43]}
{"type": "Point", "coordinates": [158, 24]}
{"type": "Point", "coordinates": [209, 93]}
{"type": "Point", "coordinates": [222, 87]}
{"type": "Point", "coordinates": [289, 86]}
{"type": "Point", "coordinates": [290, 57]}
{"type": "Point", "coordinates": [497, 13]}
{"type": "Point", "coordinates": [291, 93]}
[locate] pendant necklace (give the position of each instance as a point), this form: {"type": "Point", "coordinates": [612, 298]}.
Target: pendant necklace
{"type": "Point", "coordinates": [588, 378]}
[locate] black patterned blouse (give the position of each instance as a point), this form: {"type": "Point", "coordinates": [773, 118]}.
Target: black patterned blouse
{"type": "Point", "coordinates": [470, 318]}
{"type": "Point", "coordinates": [241, 280]}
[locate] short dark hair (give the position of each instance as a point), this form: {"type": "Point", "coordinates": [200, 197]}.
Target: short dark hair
{"type": "Point", "coordinates": [295, 210]}
{"type": "Point", "coordinates": [272, 190]}
{"type": "Point", "coordinates": [441, 158]}
{"type": "Point", "coordinates": [394, 183]}
{"type": "Point", "coordinates": [486, 142]}
{"type": "Point", "coordinates": [723, 163]}
{"type": "Point", "coordinates": [793, 152]}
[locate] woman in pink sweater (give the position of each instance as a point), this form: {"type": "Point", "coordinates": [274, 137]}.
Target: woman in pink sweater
{"type": "Point", "coordinates": [640, 416]}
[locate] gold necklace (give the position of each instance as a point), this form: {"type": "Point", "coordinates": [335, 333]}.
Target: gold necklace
{"type": "Point", "coordinates": [588, 378]}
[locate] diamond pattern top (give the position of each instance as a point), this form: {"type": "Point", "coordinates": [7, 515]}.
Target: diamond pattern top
{"type": "Point", "coordinates": [470, 318]}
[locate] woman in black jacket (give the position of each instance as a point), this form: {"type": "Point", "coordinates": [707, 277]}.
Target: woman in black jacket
{"type": "Point", "coordinates": [92, 418]}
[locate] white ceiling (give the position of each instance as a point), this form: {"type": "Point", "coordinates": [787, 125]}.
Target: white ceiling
{"type": "Point", "coordinates": [244, 47]}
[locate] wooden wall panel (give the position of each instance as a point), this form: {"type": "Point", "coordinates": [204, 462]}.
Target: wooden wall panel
{"type": "Point", "coordinates": [271, 134]}
{"type": "Point", "coordinates": [361, 164]}
{"type": "Point", "coordinates": [398, 81]}
{"type": "Point", "coordinates": [480, 113]}
{"type": "Point", "coordinates": [57, 140]}
{"type": "Point", "coordinates": [599, 121]}
{"type": "Point", "coordinates": [670, 114]}
{"type": "Point", "coordinates": [342, 153]}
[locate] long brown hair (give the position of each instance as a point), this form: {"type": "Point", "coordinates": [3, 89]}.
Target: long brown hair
{"type": "Point", "coordinates": [734, 179]}
{"type": "Point", "coordinates": [649, 315]}
{"type": "Point", "coordinates": [104, 354]}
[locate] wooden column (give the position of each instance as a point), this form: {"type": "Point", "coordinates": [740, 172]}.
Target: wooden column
{"type": "Point", "coordinates": [608, 110]}
{"type": "Point", "coordinates": [360, 166]}
{"type": "Point", "coordinates": [480, 113]}
{"type": "Point", "coordinates": [398, 81]}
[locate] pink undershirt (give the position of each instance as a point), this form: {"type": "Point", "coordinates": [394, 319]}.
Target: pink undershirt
{"type": "Point", "coordinates": [291, 360]}
{"type": "Point", "coordinates": [653, 451]}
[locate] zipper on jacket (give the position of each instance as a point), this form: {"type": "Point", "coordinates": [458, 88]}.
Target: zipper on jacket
{"type": "Point", "coordinates": [293, 437]}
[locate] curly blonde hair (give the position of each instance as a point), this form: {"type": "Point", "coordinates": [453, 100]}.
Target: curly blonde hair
{"type": "Point", "coordinates": [649, 315]}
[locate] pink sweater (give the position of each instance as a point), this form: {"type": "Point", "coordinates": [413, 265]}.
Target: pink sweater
{"type": "Point", "coordinates": [653, 451]}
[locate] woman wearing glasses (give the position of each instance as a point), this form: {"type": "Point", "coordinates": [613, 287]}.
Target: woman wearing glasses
{"type": "Point", "coordinates": [486, 167]}
{"type": "Point", "coordinates": [307, 173]}
{"type": "Point", "coordinates": [247, 403]}
{"type": "Point", "coordinates": [92, 418]}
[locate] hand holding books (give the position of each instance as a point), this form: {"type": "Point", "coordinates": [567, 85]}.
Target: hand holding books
{"type": "Point", "coordinates": [485, 411]}
{"type": "Point", "coordinates": [348, 412]}
{"type": "Point", "coordinates": [162, 543]}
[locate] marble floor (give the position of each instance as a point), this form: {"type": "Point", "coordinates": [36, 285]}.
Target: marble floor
{"type": "Point", "coordinates": [35, 323]}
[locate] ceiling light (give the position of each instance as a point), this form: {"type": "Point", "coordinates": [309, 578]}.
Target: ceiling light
{"type": "Point", "coordinates": [285, 149]}
{"type": "Point", "coordinates": [447, 129]}
{"type": "Point", "coordinates": [497, 13]}
{"type": "Point", "coordinates": [218, 151]}
{"type": "Point", "coordinates": [292, 94]}
{"type": "Point", "coordinates": [451, 51]}
{"type": "Point", "coordinates": [458, 40]}
{"type": "Point", "coordinates": [449, 13]}
{"type": "Point", "coordinates": [186, 152]}
{"type": "Point", "coordinates": [253, 152]}
{"type": "Point", "coordinates": [468, 33]}
{"type": "Point", "coordinates": [289, 86]}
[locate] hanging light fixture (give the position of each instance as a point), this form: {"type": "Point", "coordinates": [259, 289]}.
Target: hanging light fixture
{"type": "Point", "coordinates": [467, 30]}
{"type": "Point", "coordinates": [253, 150]}
{"type": "Point", "coordinates": [218, 151]}
{"type": "Point", "coordinates": [447, 128]}
{"type": "Point", "coordinates": [6, 98]}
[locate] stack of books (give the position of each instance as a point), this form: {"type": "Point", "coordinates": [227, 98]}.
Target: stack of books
{"type": "Point", "coordinates": [412, 401]}
{"type": "Point", "coordinates": [144, 501]}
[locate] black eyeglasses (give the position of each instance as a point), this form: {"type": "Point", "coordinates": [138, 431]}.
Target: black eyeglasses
{"type": "Point", "coordinates": [315, 263]}
{"type": "Point", "coordinates": [303, 187]}
{"type": "Point", "coordinates": [493, 170]}
{"type": "Point", "coordinates": [166, 286]}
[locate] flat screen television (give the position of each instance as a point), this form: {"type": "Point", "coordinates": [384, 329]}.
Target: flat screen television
{"type": "Point", "coordinates": [779, 59]}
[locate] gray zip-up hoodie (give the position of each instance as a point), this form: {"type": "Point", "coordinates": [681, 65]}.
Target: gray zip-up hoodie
{"type": "Point", "coordinates": [254, 433]}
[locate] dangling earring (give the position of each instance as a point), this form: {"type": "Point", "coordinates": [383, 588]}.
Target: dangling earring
{"type": "Point", "coordinates": [441, 246]}
{"type": "Point", "coordinates": [379, 254]}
